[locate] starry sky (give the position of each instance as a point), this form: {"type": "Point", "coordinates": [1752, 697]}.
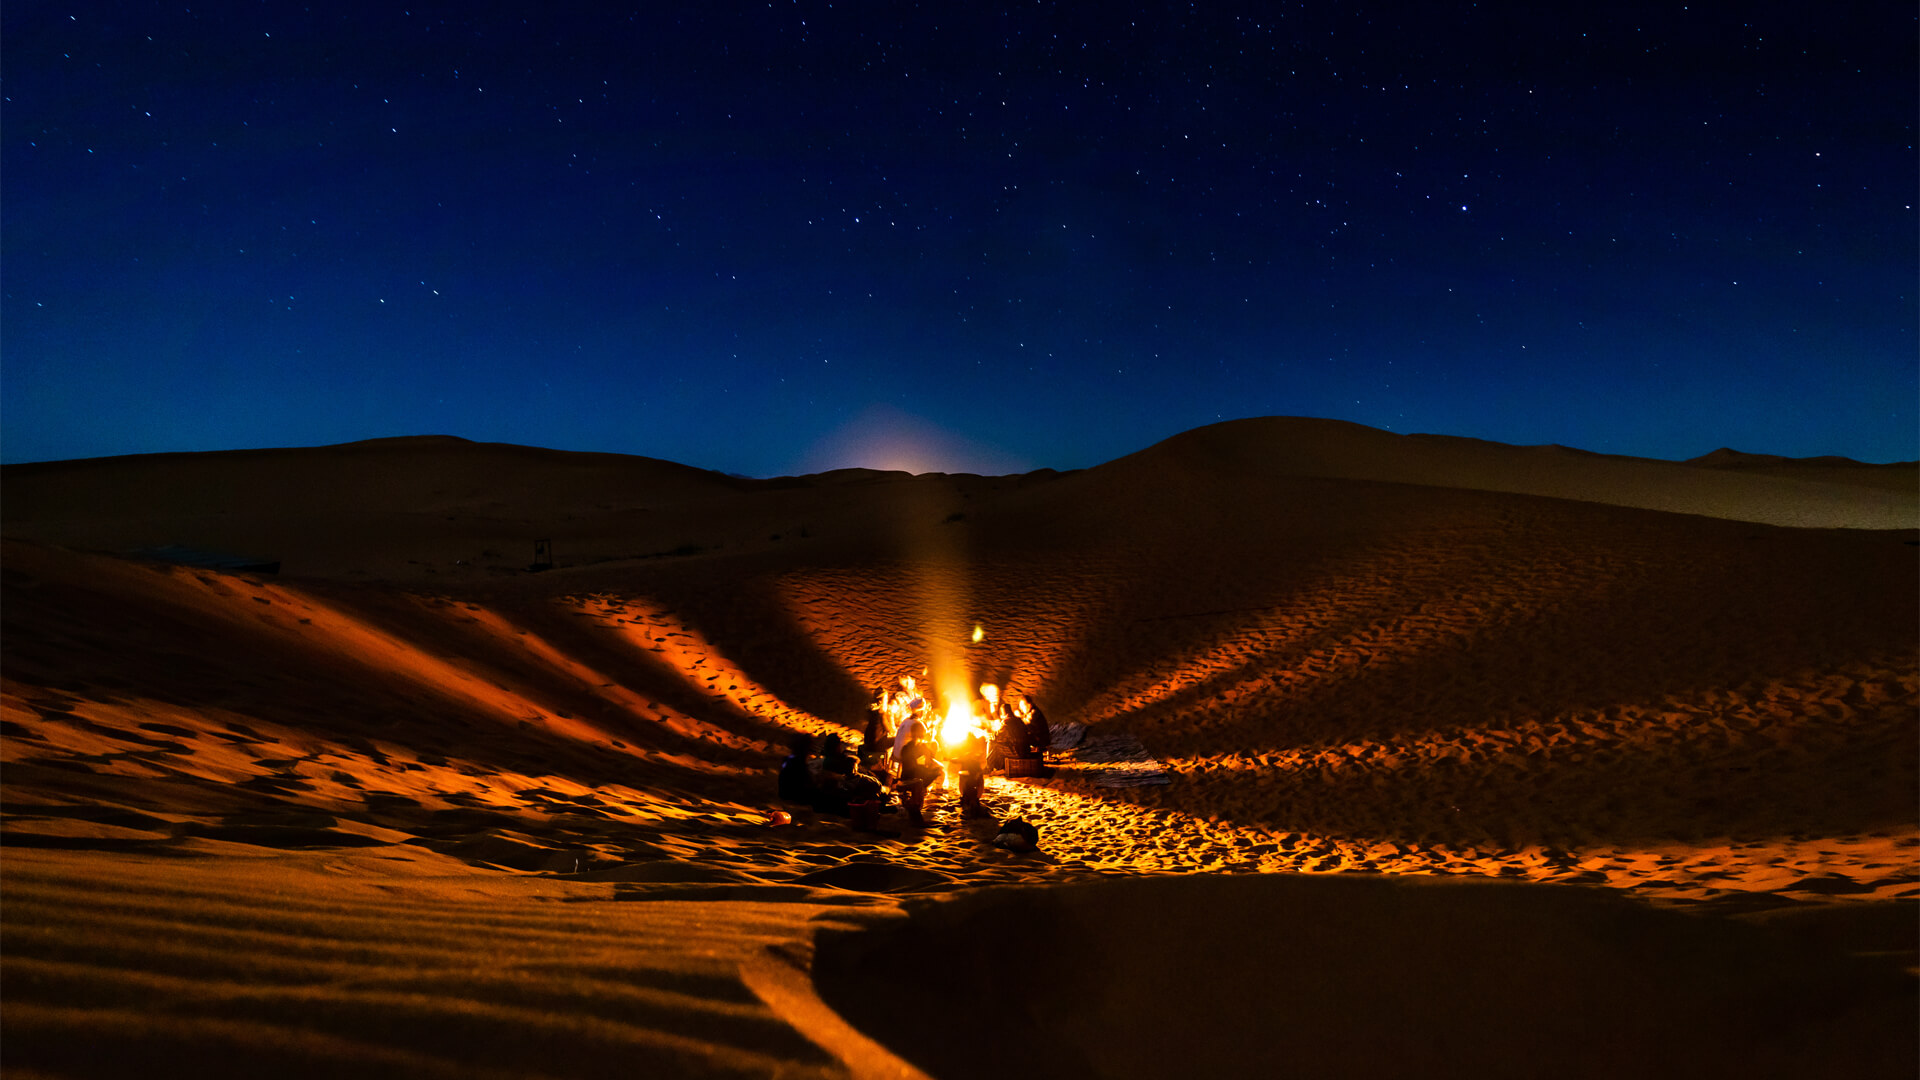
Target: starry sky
{"type": "Point", "coordinates": [779, 237]}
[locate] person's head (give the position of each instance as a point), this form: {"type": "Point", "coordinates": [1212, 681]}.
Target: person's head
{"type": "Point", "coordinates": [800, 743]}
{"type": "Point", "coordinates": [832, 744]}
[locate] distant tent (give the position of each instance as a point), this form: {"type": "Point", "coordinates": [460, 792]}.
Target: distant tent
{"type": "Point", "coordinates": [181, 555]}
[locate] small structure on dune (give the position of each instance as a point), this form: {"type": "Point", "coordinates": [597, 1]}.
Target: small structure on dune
{"type": "Point", "coordinates": [542, 556]}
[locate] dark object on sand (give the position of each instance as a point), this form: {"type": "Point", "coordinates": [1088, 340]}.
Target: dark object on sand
{"type": "Point", "coordinates": [1017, 835]}
{"type": "Point", "coordinates": [181, 555]}
{"type": "Point", "coordinates": [865, 815]}
{"type": "Point", "coordinates": [542, 556]}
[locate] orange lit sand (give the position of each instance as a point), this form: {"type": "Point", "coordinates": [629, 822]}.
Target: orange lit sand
{"type": "Point", "coordinates": [386, 811]}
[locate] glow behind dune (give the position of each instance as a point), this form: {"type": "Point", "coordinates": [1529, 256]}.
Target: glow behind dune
{"type": "Point", "coordinates": [888, 439]}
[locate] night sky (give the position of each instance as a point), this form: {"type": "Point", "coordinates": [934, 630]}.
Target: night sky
{"type": "Point", "coordinates": [771, 238]}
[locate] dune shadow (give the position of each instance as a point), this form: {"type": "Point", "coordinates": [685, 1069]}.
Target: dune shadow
{"type": "Point", "coordinates": [1239, 581]}
{"type": "Point", "coordinates": [268, 689]}
{"type": "Point", "coordinates": [286, 837]}
{"type": "Point", "coordinates": [1358, 977]}
{"type": "Point", "coordinates": [117, 845]}
{"type": "Point", "coordinates": [1563, 613]}
{"type": "Point", "coordinates": [760, 668]}
{"type": "Point", "coordinates": [758, 630]}
{"type": "Point", "coordinates": [1577, 797]}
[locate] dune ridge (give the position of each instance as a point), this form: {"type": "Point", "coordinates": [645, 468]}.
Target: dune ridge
{"type": "Point", "coordinates": [410, 806]}
{"type": "Point", "coordinates": [1804, 493]}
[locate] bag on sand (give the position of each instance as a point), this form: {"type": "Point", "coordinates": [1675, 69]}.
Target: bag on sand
{"type": "Point", "coordinates": [865, 815]}
{"type": "Point", "coordinates": [1017, 835]}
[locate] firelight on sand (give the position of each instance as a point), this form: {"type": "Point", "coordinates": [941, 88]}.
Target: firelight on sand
{"type": "Point", "coordinates": [1366, 698]}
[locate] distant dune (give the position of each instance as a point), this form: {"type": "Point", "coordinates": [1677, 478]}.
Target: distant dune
{"type": "Point", "coordinates": [1821, 493]}
{"type": "Point", "coordinates": [1376, 753]}
{"type": "Point", "coordinates": [118, 503]}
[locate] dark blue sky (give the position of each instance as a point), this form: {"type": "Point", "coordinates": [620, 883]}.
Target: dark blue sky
{"type": "Point", "coordinates": [775, 237]}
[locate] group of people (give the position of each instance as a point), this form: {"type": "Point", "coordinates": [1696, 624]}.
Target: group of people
{"type": "Point", "coordinates": [831, 781]}
{"type": "Point", "coordinates": [908, 746]}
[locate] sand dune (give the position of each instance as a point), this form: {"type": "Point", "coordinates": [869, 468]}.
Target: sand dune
{"type": "Point", "coordinates": [1823, 493]}
{"type": "Point", "coordinates": [408, 807]}
{"type": "Point", "coordinates": [439, 506]}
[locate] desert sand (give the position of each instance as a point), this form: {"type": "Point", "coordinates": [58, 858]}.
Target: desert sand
{"type": "Point", "coordinates": [1396, 755]}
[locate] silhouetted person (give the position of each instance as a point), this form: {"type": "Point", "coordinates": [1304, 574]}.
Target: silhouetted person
{"type": "Point", "coordinates": [832, 770]}
{"type": "Point", "coordinates": [970, 768]}
{"type": "Point", "coordinates": [796, 772]}
{"type": "Point", "coordinates": [1009, 741]}
{"type": "Point", "coordinates": [864, 795]}
{"type": "Point", "coordinates": [835, 757]}
{"type": "Point", "coordinates": [861, 787]}
{"type": "Point", "coordinates": [877, 723]}
{"type": "Point", "coordinates": [914, 755]}
{"type": "Point", "coordinates": [1039, 733]}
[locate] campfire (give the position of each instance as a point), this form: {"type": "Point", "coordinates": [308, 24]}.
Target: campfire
{"type": "Point", "coordinates": [961, 722]}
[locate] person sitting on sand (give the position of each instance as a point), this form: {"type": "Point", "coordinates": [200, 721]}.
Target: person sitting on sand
{"type": "Point", "coordinates": [865, 797]}
{"type": "Point", "coordinates": [877, 759]}
{"type": "Point", "coordinates": [918, 768]}
{"type": "Point", "coordinates": [969, 762]}
{"type": "Point", "coordinates": [840, 785]}
{"type": "Point", "coordinates": [910, 727]}
{"type": "Point", "coordinates": [796, 772]}
{"type": "Point", "coordinates": [859, 787]}
{"type": "Point", "coordinates": [1039, 733]}
{"type": "Point", "coordinates": [834, 755]}
{"type": "Point", "coordinates": [1009, 740]}
{"type": "Point", "coordinates": [877, 740]}
{"type": "Point", "coordinates": [834, 767]}
{"type": "Point", "coordinates": [877, 722]}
